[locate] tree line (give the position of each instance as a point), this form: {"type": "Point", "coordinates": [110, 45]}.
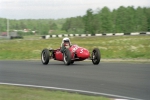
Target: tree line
{"type": "Point", "coordinates": [122, 19]}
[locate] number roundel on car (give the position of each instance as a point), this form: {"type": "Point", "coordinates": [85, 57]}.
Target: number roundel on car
{"type": "Point", "coordinates": [81, 51]}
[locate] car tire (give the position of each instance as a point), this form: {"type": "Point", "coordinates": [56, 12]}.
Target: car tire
{"type": "Point", "coordinates": [45, 56]}
{"type": "Point", "coordinates": [96, 56]}
{"type": "Point", "coordinates": [67, 57]}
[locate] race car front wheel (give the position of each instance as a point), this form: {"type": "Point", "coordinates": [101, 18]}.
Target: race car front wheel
{"type": "Point", "coordinates": [45, 56]}
{"type": "Point", "coordinates": [67, 57]}
{"type": "Point", "coordinates": [96, 56]}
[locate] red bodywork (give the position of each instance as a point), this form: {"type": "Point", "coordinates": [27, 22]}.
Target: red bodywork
{"type": "Point", "coordinates": [77, 53]}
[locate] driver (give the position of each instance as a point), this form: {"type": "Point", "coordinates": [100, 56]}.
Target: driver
{"type": "Point", "coordinates": [65, 44]}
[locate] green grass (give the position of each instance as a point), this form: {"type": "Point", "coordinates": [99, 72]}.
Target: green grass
{"type": "Point", "coordinates": [111, 47]}
{"type": "Point", "coordinates": [22, 93]}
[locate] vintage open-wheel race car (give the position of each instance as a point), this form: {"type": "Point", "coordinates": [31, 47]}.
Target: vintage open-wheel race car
{"type": "Point", "coordinates": [70, 55]}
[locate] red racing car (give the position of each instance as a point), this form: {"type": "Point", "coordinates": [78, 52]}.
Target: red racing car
{"type": "Point", "coordinates": [70, 55]}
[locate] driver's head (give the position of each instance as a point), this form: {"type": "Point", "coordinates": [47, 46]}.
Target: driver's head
{"type": "Point", "coordinates": [66, 40]}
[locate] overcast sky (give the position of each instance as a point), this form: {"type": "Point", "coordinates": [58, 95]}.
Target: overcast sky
{"type": "Point", "coordinates": [38, 9]}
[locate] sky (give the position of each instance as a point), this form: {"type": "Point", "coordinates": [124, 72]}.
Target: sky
{"type": "Point", "coordinates": [55, 9]}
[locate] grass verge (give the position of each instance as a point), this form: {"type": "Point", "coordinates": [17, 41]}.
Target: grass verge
{"type": "Point", "coordinates": [111, 47]}
{"type": "Point", "coordinates": [24, 93]}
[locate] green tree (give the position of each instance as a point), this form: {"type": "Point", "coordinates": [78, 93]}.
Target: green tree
{"type": "Point", "coordinates": [74, 25]}
{"type": "Point", "coordinates": [66, 25]}
{"type": "Point", "coordinates": [88, 22]}
{"type": "Point", "coordinates": [105, 20]}
{"type": "Point", "coordinates": [121, 19]}
{"type": "Point", "coordinates": [22, 25]}
{"type": "Point", "coordinates": [53, 26]}
{"type": "Point", "coordinates": [114, 14]}
{"type": "Point", "coordinates": [3, 24]}
{"type": "Point", "coordinates": [130, 24]}
{"type": "Point", "coordinates": [147, 13]}
{"type": "Point", "coordinates": [141, 20]}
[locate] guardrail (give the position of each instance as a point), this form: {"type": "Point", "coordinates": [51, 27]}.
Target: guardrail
{"type": "Point", "coordinates": [88, 35]}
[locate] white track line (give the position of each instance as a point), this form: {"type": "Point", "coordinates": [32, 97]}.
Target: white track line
{"type": "Point", "coordinates": [73, 90]}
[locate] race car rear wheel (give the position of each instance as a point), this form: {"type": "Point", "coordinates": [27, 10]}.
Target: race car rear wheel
{"type": "Point", "coordinates": [67, 57]}
{"type": "Point", "coordinates": [96, 56]}
{"type": "Point", "coordinates": [45, 55]}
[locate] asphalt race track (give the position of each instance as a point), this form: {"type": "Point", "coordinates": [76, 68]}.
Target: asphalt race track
{"type": "Point", "coordinates": [124, 79]}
